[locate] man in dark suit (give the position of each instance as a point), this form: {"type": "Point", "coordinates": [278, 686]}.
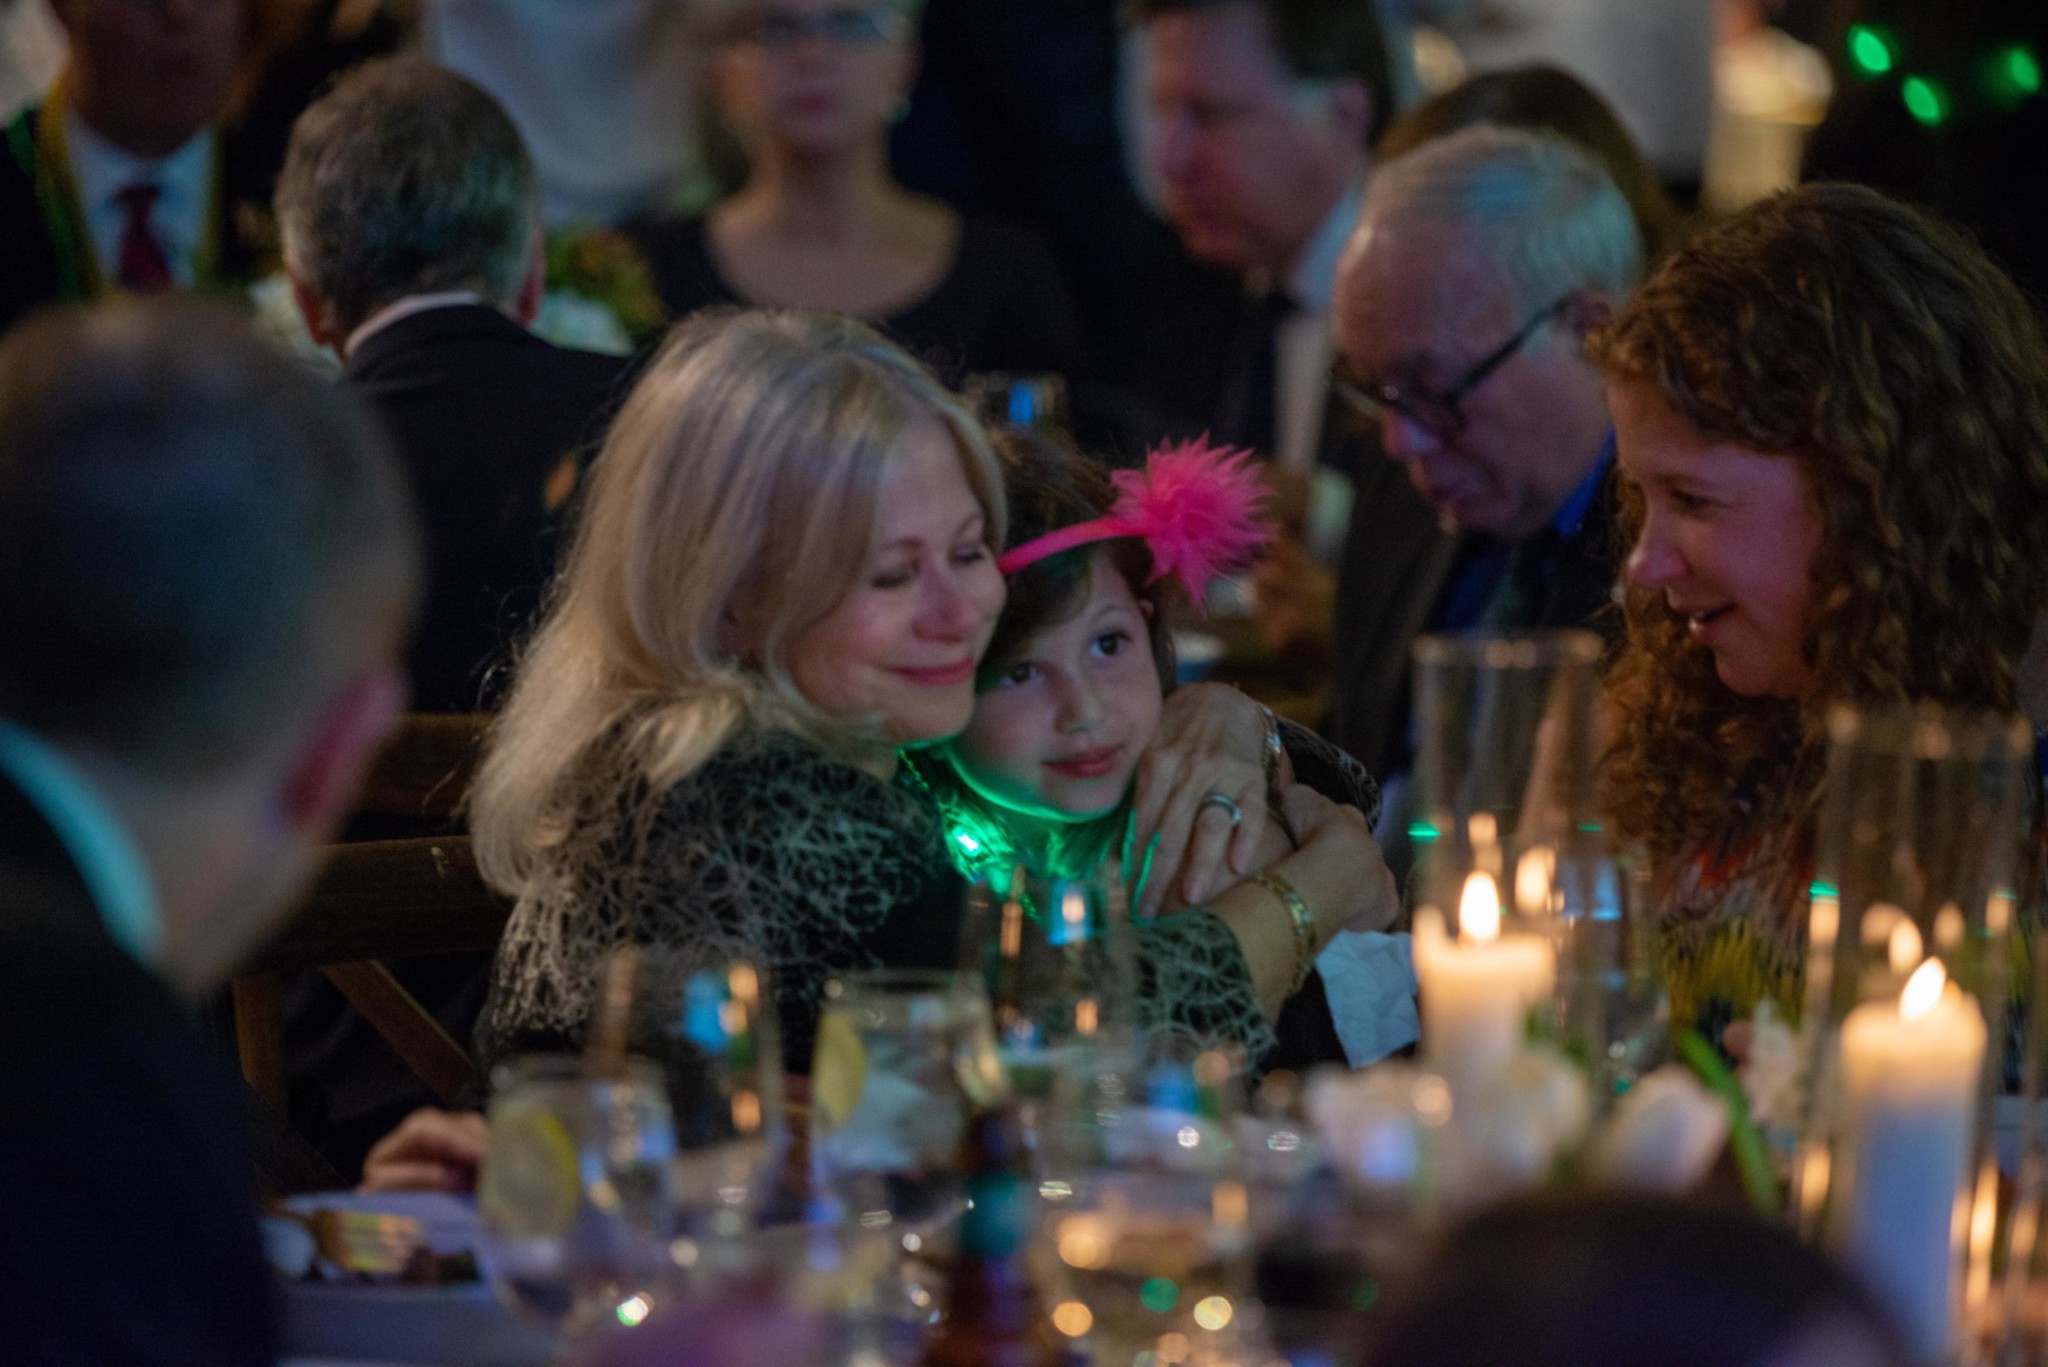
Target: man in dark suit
{"type": "Point", "coordinates": [118, 179]}
{"type": "Point", "coordinates": [411, 227]}
{"type": "Point", "coordinates": [1479, 265]}
{"type": "Point", "coordinates": [206, 566]}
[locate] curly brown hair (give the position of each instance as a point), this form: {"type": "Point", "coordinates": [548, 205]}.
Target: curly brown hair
{"type": "Point", "coordinates": [1882, 351]}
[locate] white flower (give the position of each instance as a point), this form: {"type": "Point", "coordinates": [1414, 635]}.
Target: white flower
{"type": "Point", "coordinates": [1770, 1075]}
{"type": "Point", "coordinates": [1663, 1135]}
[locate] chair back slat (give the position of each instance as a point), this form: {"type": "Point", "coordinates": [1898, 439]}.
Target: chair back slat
{"type": "Point", "coordinates": [425, 768]}
{"type": "Point", "coordinates": [389, 899]}
{"type": "Point", "coordinates": [409, 1028]}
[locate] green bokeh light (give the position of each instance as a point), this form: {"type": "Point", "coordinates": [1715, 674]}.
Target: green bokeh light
{"type": "Point", "coordinates": [1422, 833]}
{"type": "Point", "coordinates": [1870, 50]}
{"type": "Point", "coordinates": [1925, 100]}
{"type": "Point", "coordinates": [2023, 69]}
{"type": "Point", "coordinates": [1159, 1295]}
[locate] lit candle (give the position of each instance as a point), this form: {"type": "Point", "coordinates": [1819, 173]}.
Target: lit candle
{"type": "Point", "coordinates": [1910, 1075]}
{"type": "Point", "coordinates": [1477, 989]}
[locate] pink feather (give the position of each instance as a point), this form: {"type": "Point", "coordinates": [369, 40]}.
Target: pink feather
{"type": "Point", "coordinates": [1200, 509]}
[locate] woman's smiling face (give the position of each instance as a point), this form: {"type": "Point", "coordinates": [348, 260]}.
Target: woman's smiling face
{"type": "Point", "coordinates": [1059, 732]}
{"type": "Point", "coordinates": [1728, 539]}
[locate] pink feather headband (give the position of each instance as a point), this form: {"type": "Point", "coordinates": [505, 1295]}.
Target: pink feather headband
{"type": "Point", "coordinates": [1197, 507]}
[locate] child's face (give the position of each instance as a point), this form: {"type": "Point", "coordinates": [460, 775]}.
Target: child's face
{"type": "Point", "coordinates": [1060, 732]}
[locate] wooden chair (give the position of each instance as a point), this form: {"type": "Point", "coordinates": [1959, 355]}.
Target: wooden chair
{"type": "Point", "coordinates": [374, 903]}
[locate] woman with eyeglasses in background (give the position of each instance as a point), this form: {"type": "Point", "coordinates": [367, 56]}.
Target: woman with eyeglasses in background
{"type": "Point", "coordinates": [808, 90]}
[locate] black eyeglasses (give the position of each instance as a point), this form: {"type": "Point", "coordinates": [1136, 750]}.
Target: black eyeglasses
{"type": "Point", "coordinates": [851, 26]}
{"type": "Point", "coordinates": [1439, 411]}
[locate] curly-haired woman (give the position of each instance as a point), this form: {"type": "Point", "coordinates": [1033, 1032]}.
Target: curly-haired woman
{"type": "Point", "coordinates": [1832, 425]}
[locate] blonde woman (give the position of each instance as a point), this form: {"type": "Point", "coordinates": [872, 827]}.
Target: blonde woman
{"type": "Point", "coordinates": [782, 577]}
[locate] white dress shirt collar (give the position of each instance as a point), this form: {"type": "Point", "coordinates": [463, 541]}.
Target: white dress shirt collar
{"type": "Point", "coordinates": [105, 855]}
{"type": "Point", "coordinates": [184, 182]}
{"type": "Point", "coordinates": [406, 308]}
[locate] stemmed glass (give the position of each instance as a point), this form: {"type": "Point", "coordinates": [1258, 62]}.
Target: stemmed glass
{"type": "Point", "coordinates": [1148, 1245]}
{"type": "Point", "coordinates": [577, 1195]}
{"type": "Point", "coordinates": [902, 1057]}
{"type": "Point", "coordinates": [1058, 959]}
{"type": "Point", "coordinates": [612, 1175]}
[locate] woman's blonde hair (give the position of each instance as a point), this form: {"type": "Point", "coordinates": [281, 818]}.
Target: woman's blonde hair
{"type": "Point", "coordinates": [731, 510]}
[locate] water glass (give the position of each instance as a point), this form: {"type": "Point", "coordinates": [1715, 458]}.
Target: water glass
{"type": "Point", "coordinates": [1903, 1035]}
{"type": "Point", "coordinates": [577, 1194]}
{"type": "Point", "coordinates": [723, 1063]}
{"type": "Point", "coordinates": [902, 1058]}
{"type": "Point", "coordinates": [1059, 962]}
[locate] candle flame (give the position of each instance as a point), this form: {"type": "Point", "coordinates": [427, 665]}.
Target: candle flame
{"type": "Point", "coordinates": [1535, 873]}
{"type": "Point", "coordinates": [1905, 946]}
{"type": "Point", "coordinates": [1479, 909]}
{"type": "Point", "coordinates": [1923, 990]}
{"type": "Point", "coordinates": [1073, 906]}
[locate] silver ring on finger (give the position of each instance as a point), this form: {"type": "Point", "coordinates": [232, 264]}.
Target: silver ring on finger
{"type": "Point", "coordinates": [1227, 804]}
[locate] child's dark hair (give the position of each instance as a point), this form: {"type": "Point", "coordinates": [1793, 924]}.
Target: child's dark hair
{"type": "Point", "coordinates": [1052, 484]}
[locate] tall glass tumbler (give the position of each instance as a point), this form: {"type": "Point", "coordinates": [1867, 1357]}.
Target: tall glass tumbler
{"type": "Point", "coordinates": [1904, 1027]}
{"type": "Point", "coordinates": [1513, 872]}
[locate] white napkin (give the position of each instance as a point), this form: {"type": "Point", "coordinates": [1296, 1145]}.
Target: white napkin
{"type": "Point", "coordinates": [1369, 977]}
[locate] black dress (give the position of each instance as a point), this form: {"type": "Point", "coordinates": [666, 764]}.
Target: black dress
{"type": "Point", "coordinates": [1001, 306]}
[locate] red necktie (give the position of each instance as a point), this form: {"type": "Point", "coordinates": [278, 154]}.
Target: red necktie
{"type": "Point", "coordinates": [144, 268]}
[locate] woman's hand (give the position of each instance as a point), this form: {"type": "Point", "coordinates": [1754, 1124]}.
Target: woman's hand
{"type": "Point", "coordinates": [429, 1151]}
{"type": "Point", "coordinates": [1212, 740]}
{"type": "Point", "coordinates": [1338, 868]}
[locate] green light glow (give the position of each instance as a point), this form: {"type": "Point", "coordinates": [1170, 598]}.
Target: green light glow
{"type": "Point", "coordinates": [2020, 72]}
{"type": "Point", "coordinates": [1422, 833]}
{"type": "Point", "coordinates": [1870, 52]}
{"type": "Point", "coordinates": [1820, 889]}
{"type": "Point", "coordinates": [2023, 70]}
{"type": "Point", "coordinates": [1925, 100]}
{"type": "Point", "coordinates": [1159, 1295]}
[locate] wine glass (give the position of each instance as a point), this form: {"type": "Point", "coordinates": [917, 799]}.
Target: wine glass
{"type": "Point", "coordinates": [714, 1030]}
{"type": "Point", "coordinates": [576, 1197]}
{"type": "Point", "coordinates": [1059, 962]}
{"type": "Point", "coordinates": [902, 1057]}
{"type": "Point", "coordinates": [1150, 1247]}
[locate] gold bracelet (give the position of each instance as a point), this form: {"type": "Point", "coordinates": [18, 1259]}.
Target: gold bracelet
{"type": "Point", "coordinates": [1304, 925]}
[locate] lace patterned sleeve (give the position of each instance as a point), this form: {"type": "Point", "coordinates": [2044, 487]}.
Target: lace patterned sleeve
{"type": "Point", "coordinates": [1193, 983]}
{"type": "Point", "coordinates": [772, 850]}
{"type": "Point", "coordinates": [1331, 771]}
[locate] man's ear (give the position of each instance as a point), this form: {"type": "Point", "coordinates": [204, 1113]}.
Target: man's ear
{"type": "Point", "coordinates": [1584, 311]}
{"type": "Point", "coordinates": [322, 778]}
{"type": "Point", "coordinates": [526, 307]}
{"type": "Point", "coordinates": [322, 331]}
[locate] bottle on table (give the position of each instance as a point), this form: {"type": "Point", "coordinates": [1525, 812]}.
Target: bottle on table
{"type": "Point", "coordinates": [993, 1317]}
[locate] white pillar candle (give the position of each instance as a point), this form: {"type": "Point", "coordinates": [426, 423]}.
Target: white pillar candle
{"type": "Point", "coordinates": [1910, 1074]}
{"type": "Point", "coordinates": [1477, 990]}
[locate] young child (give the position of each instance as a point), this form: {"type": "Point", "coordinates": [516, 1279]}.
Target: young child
{"type": "Point", "coordinates": [1069, 692]}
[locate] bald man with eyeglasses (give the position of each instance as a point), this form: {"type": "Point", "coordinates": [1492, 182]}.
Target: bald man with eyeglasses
{"type": "Point", "coordinates": [1479, 264]}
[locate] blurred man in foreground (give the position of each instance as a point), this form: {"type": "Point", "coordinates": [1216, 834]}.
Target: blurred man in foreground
{"type": "Point", "coordinates": [207, 564]}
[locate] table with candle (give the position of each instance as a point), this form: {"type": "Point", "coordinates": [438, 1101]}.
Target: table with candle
{"type": "Point", "coordinates": [1911, 1071]}
{"type": "Point", "coordinates": [1477, 989]}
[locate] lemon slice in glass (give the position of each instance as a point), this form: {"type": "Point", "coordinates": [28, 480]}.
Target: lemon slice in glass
{"type": "Point", "coordinates": [839, 1069]}
{"type": "Point", "coordinates": [530, 1186]}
